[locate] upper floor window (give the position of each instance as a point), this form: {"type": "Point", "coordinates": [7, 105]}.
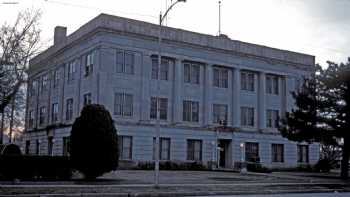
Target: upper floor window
{"type": "Point", "coordinates": [31, 119]}
{"type": "Point", "coordinates": [89, 65]}
{"type": "Point", "coordinates": [194, 150]}
{"type": "Point", "coordinates": [303, 153]}
{"type": "Point", "coordinates": [33, 88]}
{"type": "Point", "coordinates": [42, 113]}
{"type": "Point", "coordinates": [71, 71]}
{"type": "Point", "coordinates": [220, 77]}
{"type": "Point", "coordinates": [272, 84]}
{"type": "Point", "coordinates": [54, 112]}
{"type": "Point", "coordinates": [272, 118]}
{"type": "Point", "coordinates": [163, 108]}
{"type": "Point", "coordinates": [164, 68]}
{"type": "Point", "coordinates": [191, 111]}
{"type": "Point", "coordinates": [277, 152]}
{"type": "Point", "coordinates": [125, 62]}
{"type": "Point", "coordinates": [219, 113]}
{"type": "Point", "coordinates": [247, 116]}
{"type": "Point", "coordinates": [191, 73]}
{"type": "Point", "coordinates": [56, 78]}
{"type": "Point", "coordinates": [87, 99]}
{"type": "Point", "coordinates": [69, 109]}
{"type": "Point", "coordinates": [247, 81]}
{"type": "Point", "coordinates": [44, 83]}
{"type": "Point", "coordinates": [123, 104]}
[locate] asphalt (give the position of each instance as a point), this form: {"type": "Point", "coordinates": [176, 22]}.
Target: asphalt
{"type": "Point", "coordinates": [181, 183]}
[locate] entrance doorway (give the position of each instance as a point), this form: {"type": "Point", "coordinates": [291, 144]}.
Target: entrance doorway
{"type": "Point", "coordinates": [225, 153]}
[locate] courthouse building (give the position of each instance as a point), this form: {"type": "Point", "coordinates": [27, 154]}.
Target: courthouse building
{"type": "Point", "coordinates": [204, 80]}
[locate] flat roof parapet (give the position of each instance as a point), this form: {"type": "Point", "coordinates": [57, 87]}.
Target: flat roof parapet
{"type": "Point", "coordinates": [130, 26]}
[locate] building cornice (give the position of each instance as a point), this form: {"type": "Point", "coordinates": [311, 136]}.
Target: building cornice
{"type": "Point", "coordinates": [129, 26]}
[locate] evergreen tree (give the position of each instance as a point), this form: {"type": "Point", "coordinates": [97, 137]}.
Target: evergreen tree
{"type": "Point", "coordinates": [322, 111]}
{"type": "Point", "coordinates": [94, 148]}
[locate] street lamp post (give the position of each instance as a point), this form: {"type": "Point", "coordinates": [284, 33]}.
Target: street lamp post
{"type": "Point", "coordinates": [161, 19]}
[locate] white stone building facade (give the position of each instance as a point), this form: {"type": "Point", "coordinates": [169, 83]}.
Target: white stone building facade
{"type": "Point", "coordinates": [203, 80]}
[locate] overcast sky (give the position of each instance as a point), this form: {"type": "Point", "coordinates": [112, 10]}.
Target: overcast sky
{"type": "Point", "coordinates": [316, 27]}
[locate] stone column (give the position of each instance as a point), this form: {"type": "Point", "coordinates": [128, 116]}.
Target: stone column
{"type": "Point", "coordinates": [177, 91]}
{"type": "Point", "coordinates": [283, 95]}
{"type": "Point", "coordinates": [261, 101]}
{"type": "Point", "coordinates": [145, 86]}
{"type": "Point", "coordinates": [208, 84]}
{"type": "Point", "coordinates": [236, 92]}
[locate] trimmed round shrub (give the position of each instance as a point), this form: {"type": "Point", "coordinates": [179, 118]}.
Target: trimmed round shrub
{"type": "Point", "coordinates": [94, 144]}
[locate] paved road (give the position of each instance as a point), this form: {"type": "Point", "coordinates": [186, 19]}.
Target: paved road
{"type": "Point", "coordinates": [292, 195]}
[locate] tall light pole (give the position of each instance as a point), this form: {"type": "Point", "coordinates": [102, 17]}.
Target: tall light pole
{"type": "Point", "coordinates": [161, 19]}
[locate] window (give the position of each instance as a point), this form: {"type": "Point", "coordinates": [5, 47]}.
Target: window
{"type": "Point", "coordinates": [247, 81]}
{"type": "Point", "coordinates": [66, 146]}
{"type": "Point", "coordinates": [27, 147]}
{"type": "Point", "coordinates": [54, 112]}
{"type": "Point", "coordinates": [125, 62]}
{"type": "Point", "coordinates": [303, 153]}
{"type": "Point", "coordinates": [34, 87]}
{"type": "Point", "coordinates": [44, 83]}
{"type": "Point", "coordinates": [277, 153]}
{"type": "Point", "coordinates": [194, 150]}
{"type": "Point", "coordinates": [220, 78]}
{"type": "Point", "coordinates": [37, 147]}
{"type": "Point", "coordinates": [272, 118]}
{"type": "Point", "coordinates": [163, 108]}
{"type": "Point", "coordinates": [31, 119]}
{"type": "Point", "coordinates": [252, 152]}
{"type": "Point", "coordinates": [164, 148]}
{"type": "Point", "coordinates": [219, 113]}
{"type": "Point", "coordinates": [123, 104]}
{"type": "Point", "coordinates": [69, 109]}
{"type": "Point", "coordinates": [42, 113]}
{"type": "Point", "coordinates": [247, 116]}
{"type": "Point", "coordinates": [191, 73]}
{"type": "Point", "coordinates": [190, 111]}
{"type": "Point", "coordinates": [87, 99]}
{"type": "Point", "coordinates": [56, 78]}
{"type": "Point", "coordinates": [50, 146]}
{"type": "Point", "coordinates": [89, 64]}
{"type": "Point", "coordinates": [71, 71]}
{"type": "Point", "coordinates": [164, 68]}
{"type": "Point", "coordinates": [125, 147]}
{"type": "Point", "coordinates": [272, 84]}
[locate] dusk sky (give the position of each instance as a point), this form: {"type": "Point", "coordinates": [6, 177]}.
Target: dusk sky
{"type": "Point", "coordinates": [316, 27]}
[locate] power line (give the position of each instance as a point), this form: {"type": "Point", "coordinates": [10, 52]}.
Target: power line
{"type": "Point", "coordinates": [98, 9]}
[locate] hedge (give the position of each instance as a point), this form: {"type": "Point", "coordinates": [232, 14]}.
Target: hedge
{"type": "Point", "coordinates": [34, 167]}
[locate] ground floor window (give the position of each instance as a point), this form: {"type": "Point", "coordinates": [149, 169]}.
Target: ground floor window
{"type": "Point", "coordinates": [164, 148]}
{"type": "Point", "coordinates": [66, 146]}
{"type": "Point", "coordinates": [303, 153]}
{"type": "Point", "coordinates": [277, 152]}
{"type": "Point", "coordinates": [252, 152]}
{"type": "Point", "coordinates": [50, 145]}
{"type": "Point", "coordinates": [37, 148]}
{"type": "Point", "coordinates": [27, 147]}
{"type": "Point", "coordinates": [125, 147]}
{"type": "Point", "coordinates": [194, 150]}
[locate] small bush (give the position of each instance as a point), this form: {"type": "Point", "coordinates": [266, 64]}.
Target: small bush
{"type": "Point", "coordinates": [170, 165]}
{"type": "Point", "coordinates": [257, 167]}
{"type": "Point", "coordinates": [34, 167]}
{"type": "Point", "coordinates": [323, 165]}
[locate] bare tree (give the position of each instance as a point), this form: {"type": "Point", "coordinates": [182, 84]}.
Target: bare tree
{"type": "Point", "coordinates": [18, 44]}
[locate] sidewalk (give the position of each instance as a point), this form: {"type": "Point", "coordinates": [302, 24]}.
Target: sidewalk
{"type": "Point", "coordinates": [180, 183]}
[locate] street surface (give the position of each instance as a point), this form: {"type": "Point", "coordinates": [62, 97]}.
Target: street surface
{"type": "Point", "coordinates": [292, 195]}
